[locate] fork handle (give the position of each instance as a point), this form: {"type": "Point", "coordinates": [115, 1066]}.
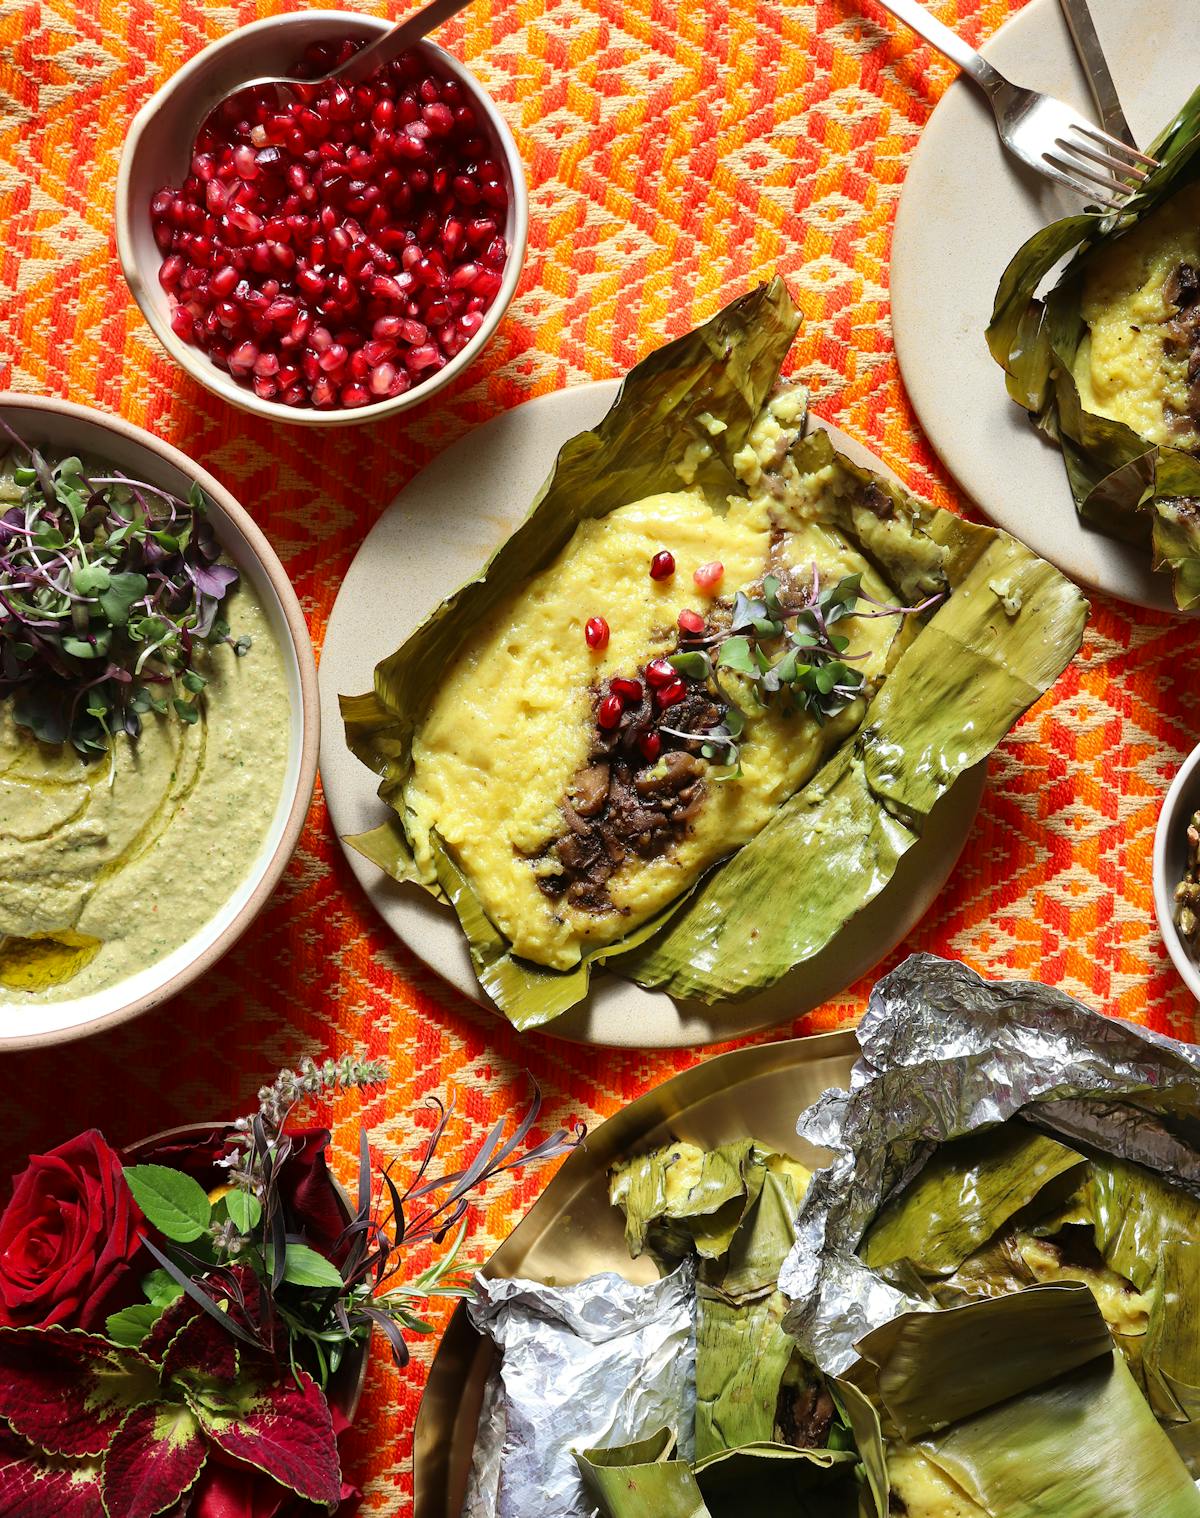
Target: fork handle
{"type": "Point", "coordinates": [950, 43]}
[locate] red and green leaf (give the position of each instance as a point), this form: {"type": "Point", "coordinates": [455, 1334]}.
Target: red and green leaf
{"type": "Point", "coordinates": [154, 1457]}
{"type": "Point", "coordinates": [33, 1484]}
{"type": "Point", "coordinates": [283, 1427]}
{"type": "Point", "coordinates": [66, 1391]}
{"type": "Point", "coordinates": [200, 1348]}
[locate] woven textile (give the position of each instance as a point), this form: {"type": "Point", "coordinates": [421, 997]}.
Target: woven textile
{"type": "Point", "coordinates": [676, 155]}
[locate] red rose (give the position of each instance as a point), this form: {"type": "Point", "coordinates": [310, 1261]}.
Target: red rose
{"type": "Point", "coordinates": [69, 1238]}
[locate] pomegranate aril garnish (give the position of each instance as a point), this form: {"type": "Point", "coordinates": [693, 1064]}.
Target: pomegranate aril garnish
{"type": "Point", "coordinates": [628, 690]}
{"type": "Point", "coordinates": [608, 713]}
{"type": "Point", "coordinates": [662, 565]}
{"type": "Point", "coordinates": [595, 632]}
{"type": "Point", "coordinates": [659, 672]}
{"type": "Point", "coordinates": [650, 745]}
{"type": "Point", "coordinates": [709, 575]}
{"type": "Point", "coordinates": [691, 623]}
{"type": "Point", "coordinates": [307, 236]}
{"type": "Point", "coordinates": [669, 695]}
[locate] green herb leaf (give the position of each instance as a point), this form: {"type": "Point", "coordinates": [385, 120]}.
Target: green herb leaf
{"type": "Point", "coordinates": [89, 579]}
{"type": "Point", "coordinates": [736, 654]}
{"type": "Point", "coordinates": [694, 665]}
{"type": "Point", "coordinates": [186, 711]}
{"type": "Point", "coordinates": [131, 1325]}
{"type": "Point", "coordinates": [303, 1266]}
{"type": "Point", "coordinates": [244, 1209]}
{"type": "Point", "coordinates": [173, 1202]}
{"type": "Point", "coordinates": [160, 1288]}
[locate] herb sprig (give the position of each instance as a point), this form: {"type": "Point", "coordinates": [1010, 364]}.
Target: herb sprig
{"type": "Point", "coordinates": [789, 652]}
{"type": "Point", "coordinates": [108, 589]}
{"type": "Point", "coordinates": [238, 1261]}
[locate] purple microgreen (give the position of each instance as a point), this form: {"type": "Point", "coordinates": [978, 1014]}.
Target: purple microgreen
{"type": "Point", "coordinates": [104, 568]}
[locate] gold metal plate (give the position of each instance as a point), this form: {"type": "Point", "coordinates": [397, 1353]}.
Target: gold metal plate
{"type": "Point", "coordinates": [571, 1231]}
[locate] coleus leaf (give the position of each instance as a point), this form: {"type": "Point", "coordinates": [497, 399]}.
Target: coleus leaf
{"type": "Point", "coordinates": [34, 1484]}
{"type": "Point", "coordinates": [283, 1427]}
{"type": "Point", "coordinates": [175, 1203]}
{"type": "Point", "coordinates": [154, 1457]}
{"type": "Point", "coordinates": [203, 1349]}
{"type": "Point", "coordinates": [66, 1391]}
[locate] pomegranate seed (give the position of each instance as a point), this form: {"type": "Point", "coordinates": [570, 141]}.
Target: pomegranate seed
{"type": "Point", "coordinates": [596, 632]}
{"type": "Point", "coordinates": [691, 622]}
{"type": "Point", "coordinates": [628, 690]}
{"type": "Point", "coordinates": [662, 565]}
{"type": "Point", "coordinates": [349, 216]}
{"type": "Point", "coordinates": [709, 575]}
{"type": "Point", "coordinates": [659, 672]}
{"type": "Point", "coordinates": [650, 745]}
{"type": "Point", "coordinates": [608, 713]}
{"type": "Point", "coordinates": [669, 695]}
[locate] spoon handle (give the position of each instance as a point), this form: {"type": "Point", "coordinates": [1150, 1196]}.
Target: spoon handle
{"type": "Point", "coordinates": [401, 37]}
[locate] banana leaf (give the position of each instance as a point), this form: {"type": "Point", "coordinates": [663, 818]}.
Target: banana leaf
{"type": "Point", "coordinates": [965, 1192]}
{"type": "Point", "coordinates": [1171, 1352]}
{"type": "Point", "coordinates": [1123, 484]}
{"type": "Point", "coordinates": [958, 682]}
{"type": "Point", "coordinates": [642, 1480]}
{"type": "Point", "coordinates": [680, 1195]}
{"type": "Point", "coordinates": [770, 1481]}
{"type": "Point", "coordinates": [1137, 1214]}
{"type": "Point", "coordinates": [1085, 1445]}
{"type": "Point", "coordinates": [928, 1369]}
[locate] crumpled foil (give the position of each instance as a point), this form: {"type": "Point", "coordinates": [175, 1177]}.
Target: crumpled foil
{"type": "Point", "coordinates": [944, 1053]}
{"type": "Point", "coordinates": [581, 1367]}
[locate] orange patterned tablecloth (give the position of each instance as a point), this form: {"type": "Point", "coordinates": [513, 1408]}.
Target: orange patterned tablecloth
{"type": "Point", "coordinates": [676, 154]}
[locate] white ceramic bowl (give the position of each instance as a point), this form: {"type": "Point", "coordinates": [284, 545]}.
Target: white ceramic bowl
{"type": "Point", "coordinates": [153, 157]}
{"type": "Point", "coordinates": [1170, 863]}
{"type": "Point", "coordinates": [58, 425]}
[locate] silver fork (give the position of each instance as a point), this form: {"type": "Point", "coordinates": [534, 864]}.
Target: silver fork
{"type": "Point", "coordinates": [1045, 133]}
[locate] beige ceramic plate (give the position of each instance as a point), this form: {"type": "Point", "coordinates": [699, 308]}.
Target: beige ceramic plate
{"type": "Point", "coordinates": [434, 536]}
{"type": "Point", "coordinates": [571, 1231]}
{"type": "Point", "coordinates": [966, 209]}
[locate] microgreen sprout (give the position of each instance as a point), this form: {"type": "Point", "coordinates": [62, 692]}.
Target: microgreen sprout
{"type": "Point", "coordinates": [788, 650]}
{"type": "Point", "coordinates": [109, 587]}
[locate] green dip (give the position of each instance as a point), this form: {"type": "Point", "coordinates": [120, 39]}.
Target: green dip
{"type": "Point", "coordinates": [107, 867]}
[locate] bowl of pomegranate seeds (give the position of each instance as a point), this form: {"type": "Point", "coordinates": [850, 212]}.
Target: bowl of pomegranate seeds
{"type": "Point", "coordinates": [334, 257]}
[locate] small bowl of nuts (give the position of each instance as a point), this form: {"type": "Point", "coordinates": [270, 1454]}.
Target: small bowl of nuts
{"type": "Point", "coordinates": [1177, 871]}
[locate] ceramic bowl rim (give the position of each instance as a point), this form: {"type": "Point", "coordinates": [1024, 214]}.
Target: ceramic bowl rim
{"type": "Point", "coordinates": [1185, 784]}
{"type": "Point", "coordinates": [307, 742]}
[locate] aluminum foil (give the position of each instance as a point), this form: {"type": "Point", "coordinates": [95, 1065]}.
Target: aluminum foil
{"type": "Point", "coordinates": [581, 1367]}
{"type": "Point", "coordinates": [944, 1053]}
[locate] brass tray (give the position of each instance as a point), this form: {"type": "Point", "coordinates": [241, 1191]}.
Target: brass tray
{"type": "Point", "coordinates": [571, 1231]}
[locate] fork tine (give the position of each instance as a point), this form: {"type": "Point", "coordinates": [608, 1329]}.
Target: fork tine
{"type": "Point", "coordinates": [1100, 187]}
{"type": "Point", "coordinates": [1114, 145]}
{"type": "Point", "coordinates": [1113, 165]}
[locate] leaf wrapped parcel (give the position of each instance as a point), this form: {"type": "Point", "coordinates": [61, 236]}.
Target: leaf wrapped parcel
{"type": "Point", "coordinates": [960, 676]}
{"type": "Point", "coordinates": [1124, 484]}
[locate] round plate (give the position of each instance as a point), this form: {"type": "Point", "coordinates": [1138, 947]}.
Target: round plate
{"type": "Point", "coordinates": [966, 209]}
{"type": "Point", "coordinates": [572, 1231]}
{"type": "Point", "coordinates": [434, 536]}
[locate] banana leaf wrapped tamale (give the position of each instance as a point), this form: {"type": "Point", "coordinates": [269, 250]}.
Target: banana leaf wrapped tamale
{"type": "Point", "coordinates": [592, 771]}
{"type": "Point", "coordinates": [997, 1271]}
{"type": "Point", "coordinates": [768, 1431]}
{"type": "Point", "coordinates": [1106, 362]}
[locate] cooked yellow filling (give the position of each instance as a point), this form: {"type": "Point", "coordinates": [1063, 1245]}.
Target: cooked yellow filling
{"type": "Point", "coordinates": [512, 723]}
{"type": "Point", "coordinates": [1125, 1310]}
{"type": "Point", "coordinates": [924, 1489]}
{"type": "Point", "coordinates": [1122, 369]}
